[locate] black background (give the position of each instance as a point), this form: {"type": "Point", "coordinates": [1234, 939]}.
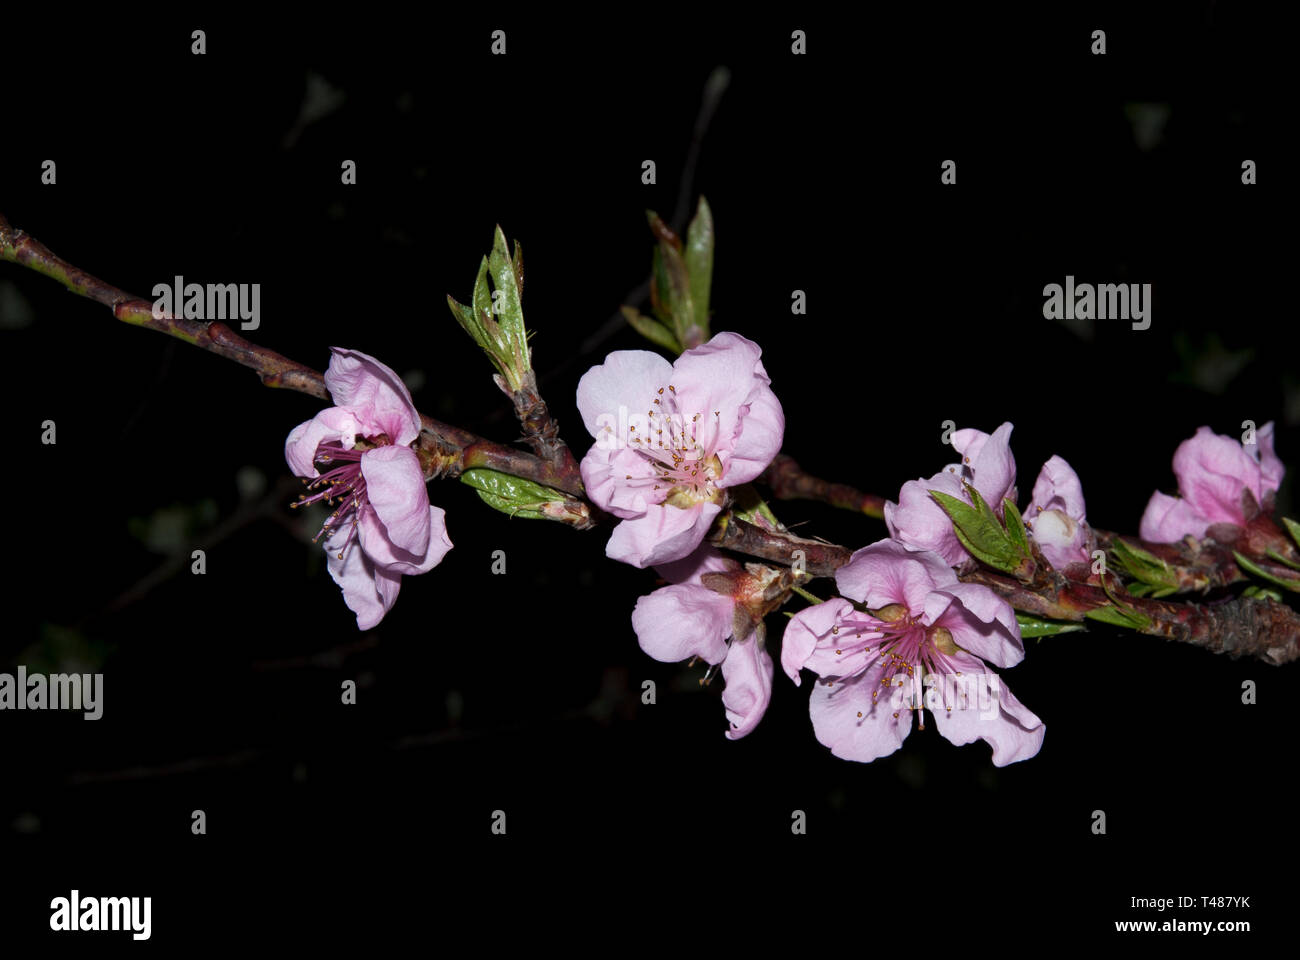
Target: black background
{"type": "Point", "coordinates": [522, 692]}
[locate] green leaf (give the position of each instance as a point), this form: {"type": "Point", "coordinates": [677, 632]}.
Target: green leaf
{"type": "Point", "coordinates": [505, 506]}
{"type": "Point", "coordinates": [483, 299]}
{"type": "Point", "coordinates": [752, 508]}
{"type": "Point", "coordinates": [983, 535]}
{"type": "Point", "coordinates": [980, 531]}
{"type": "Point", "coordinates": [1292, 528]}
{"type": "Point", "coordinates": [500, 333]}
{"type": "Point", "coordinates": [1130, 619]}
{"type": "Point", "coordinates": [1251, 567]}
{"type": "Point", "coordinates": [699, 263]}
{"type": "Point", "coordinates": [659, 293]}
{"type": "Point", "coordinates": [670, 294]}
{"type": "Point", "coordinates": [464, 317]}
{"type": "Point", "coordinates": [1255, 590]}
{"type": "Point", "coordinates": [510, 312]}
{"type": "Point", "coordinates": [510, 494]}
{"type": "Point", "coordinates": [1015, 526]}
{"type": "Point", "coordinates": [1031, 626]}
{"type": "Point", "coordinates": [1143, 566]}
{"type": "Point", "coordinates": [1137, 589]}
{"type": "Point", "coordinates": [1272, 554]}
{"type": "Point", "coordinates": [652, 330]}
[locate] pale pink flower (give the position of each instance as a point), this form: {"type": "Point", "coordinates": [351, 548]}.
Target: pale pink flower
{"type": "Point", "coordinates": [688, 619]}
{"type": "Point", "coordinates": [986, 463]}
{"type": "Point", "coordinates": [384, 526]}
{"type": "Point", "coordinates": [670, 438]}
{"type": "Point", "coordinates": [922, 644]}
{"type": "Point", "coordinates": [1055, 515]}
{"type": "Point", "coordinates": [1213, 471]}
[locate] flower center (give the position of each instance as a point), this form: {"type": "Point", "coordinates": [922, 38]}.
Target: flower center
{"type": "Point", "coordinates": [683, 460]}
{"type": "Point", "coordinates": [905, 648]}
{"type": "Point", "coordinates": [341, 481]}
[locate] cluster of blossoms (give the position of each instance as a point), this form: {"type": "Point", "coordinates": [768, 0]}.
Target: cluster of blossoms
{"type": "Point", "coordinates": [922, 631]}
{"type": "Point", "coordinates": [905, 635]}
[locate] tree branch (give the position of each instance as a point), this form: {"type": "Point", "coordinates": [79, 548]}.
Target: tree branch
{"type": "Point", "coordinates": [444, 450]}
{"type": "Point", "coordinates": [820, 559]}
{"type": "Point", "coordinates": [789, 481]}
{"type": "Point", "coordinates": [1241, 626]}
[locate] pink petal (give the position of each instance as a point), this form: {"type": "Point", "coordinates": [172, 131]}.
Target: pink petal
{"type": "Point", "coordinates": [333, 424]}
{"type": "Point", "coordinates": [993, 715]}
{"type": "Point", "coordinates": [1270, 467]}
{"type": "Point", "coordinates": [762, 431]}
{"type": "Point", "coordinates": [395, 488]}
{"type": "Point", "coordinates": [1057, 488]}
{"type": "Point", "coordinates": [876, 733]}
{"type": "Point", "coordinates": [805, 633]}
{"type": "Point", "coordinates": [663, 534]}
{"type": "Point", "coordinates": [887, 572]}
{"type": "Point", "coordinates": [918, 521]}
{"type": "Point", "coordinates": [989, 457]}
{"type": "Point", "coordinates": [682, 621]}
{"type": "Point", "coordinates": [748, 675]}
{"type": "Point", "coordinates": [388, 584]}
{"type": "Point", "coordinates": [1212, 471]}
{"type": "Point", "coordinates": [622, 387]}
{"type": "Point", "coordinates": [355, 575]}
{"type": "Point", "coordinates": [386, 556]}
{"type": "Point", "coordinates": [689, 569]}
{"type": "Point", "coordinates": [374, 393]}
{"type": "Point", "coordinates": [720, 376]}
{"type": "Point", "coordinates": [605, 476]}
{"type": "Point", "coordinates": [1168, 519]}
{"type": "Point", "coordinates": [979, 620]}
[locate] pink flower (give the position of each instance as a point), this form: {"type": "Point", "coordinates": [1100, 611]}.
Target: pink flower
{"type": "Point", "coordinates": [670, 438]}
{"type": "Point", "coordinates": [384, 526]}
{"type": "Point", "coordinates": [922, 645]}
{"type": "Point", "coordinates": [1213, 471]}
{"type": "Point", "coordinates": [688, 619]}
{"type": "Point", "coordinates": [1055, 515]}
{"type": "Point", "coordinates": [918, 521]}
